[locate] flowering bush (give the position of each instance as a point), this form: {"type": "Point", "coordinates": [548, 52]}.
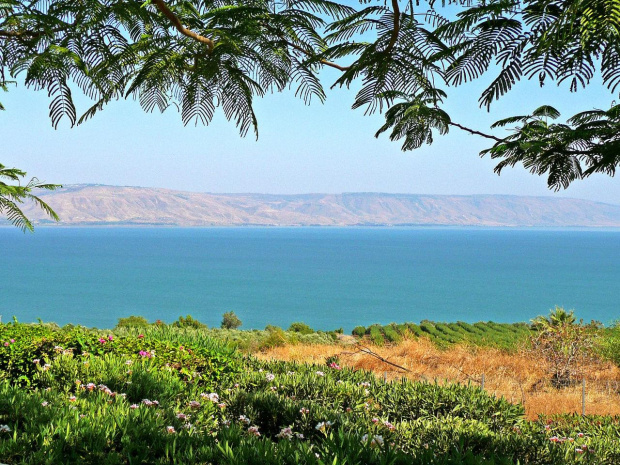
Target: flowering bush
{"type": "Point", "coordinates": [89, 405]}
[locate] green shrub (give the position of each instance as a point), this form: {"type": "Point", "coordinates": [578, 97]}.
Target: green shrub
{"type": "Point", "coordinates": [230, 321]}
{"type": "Point", "coordinates": [359, 331]}
{"type": "Point", "coordinates": [299, 327]}
{"type": "Point", "coordinates": [188, 322]}
{"type": "Point", "coordinates": [132, 322]}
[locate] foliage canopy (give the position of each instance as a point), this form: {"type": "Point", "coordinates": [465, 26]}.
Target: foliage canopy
{"type": "Point", "coordinates": [202, 54]}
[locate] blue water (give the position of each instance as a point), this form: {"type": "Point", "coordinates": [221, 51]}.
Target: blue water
{"type": "Point", "coordinates": [328, 278]}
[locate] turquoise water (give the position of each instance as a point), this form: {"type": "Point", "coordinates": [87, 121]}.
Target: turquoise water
{"type": "Point", "coordinates": [328, 278]}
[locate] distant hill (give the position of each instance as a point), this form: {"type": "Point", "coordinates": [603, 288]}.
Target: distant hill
{"type": "Point", "coordinates": [109, 205]}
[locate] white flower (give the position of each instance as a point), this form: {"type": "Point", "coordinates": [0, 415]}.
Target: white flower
{"type": "Point", "coordinates": [244, 419]}
{"type": "Point", "coordinates": [270, 377]}
{"type": "Point", "coordinates": [213, 397]}
{"type": "Point", "coordinates": [170, 429]}
{"type": "Point", "coordinates": [323, 425]}
{"type": "Point", "coordinates": [254, 430]}
{"type": "Point", "coordinates": [376, 441]}
{"type": "Point", "coordinates": [285, 433]}
{"type": "Point", "coordinates": [5, 429]}
{"type": "Point", "coordinates": [320, 373]}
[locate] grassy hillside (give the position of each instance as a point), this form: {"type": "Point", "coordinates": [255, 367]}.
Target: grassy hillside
{"type": "Point", "coordinates": [81, 396]}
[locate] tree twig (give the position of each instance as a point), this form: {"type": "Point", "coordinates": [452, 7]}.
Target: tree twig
{"type": "Point", "coordinates": [473, 131]}
{"type": "Point", "coordinates": [365, 350]}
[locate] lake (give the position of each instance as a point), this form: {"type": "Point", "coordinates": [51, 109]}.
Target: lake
{"type": "Point", "coordinates": [326, 277]}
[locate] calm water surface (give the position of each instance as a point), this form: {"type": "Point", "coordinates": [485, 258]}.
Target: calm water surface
{"type": "Point", "coordinates": [327, 278]}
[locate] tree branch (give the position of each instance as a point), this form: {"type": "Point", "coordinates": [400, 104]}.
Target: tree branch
{"type": "Point", "coordinates": [478, 133]}
{"type": "Point", "coordinates": [325, 62]}
{"type": "Point", "coordinates": [396, 29]}
{"type": "Point", "coordinates": [179, 27]}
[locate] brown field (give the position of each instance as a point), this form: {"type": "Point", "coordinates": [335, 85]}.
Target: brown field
{"type": "Point", "coordinates": [519, 377]}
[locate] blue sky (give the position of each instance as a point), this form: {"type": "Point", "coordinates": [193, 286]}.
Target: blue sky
{"type": "Point", "coordinates": [318, 148]}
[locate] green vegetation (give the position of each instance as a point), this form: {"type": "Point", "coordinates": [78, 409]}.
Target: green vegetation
{"type": "Point", "coordinates": [230, 321]}
{"type": "Point", "coordinates": [509, 336]}
{"type": "Point", "coordinates": [77, 396]}
{"type": "Point", "coordinates": [195, 332]}
{"type": "Point", "coordinates": [12, 195]}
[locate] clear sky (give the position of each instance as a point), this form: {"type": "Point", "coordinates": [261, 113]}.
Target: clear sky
{"type": "Point", "coordinates": [325, 148]}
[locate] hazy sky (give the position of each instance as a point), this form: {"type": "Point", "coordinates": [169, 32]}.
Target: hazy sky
{"type": "Point", "coordinates": [318, 148]}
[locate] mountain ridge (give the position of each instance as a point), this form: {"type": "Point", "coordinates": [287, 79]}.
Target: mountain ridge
{"type": "Point", "coordinates": [95, 204]}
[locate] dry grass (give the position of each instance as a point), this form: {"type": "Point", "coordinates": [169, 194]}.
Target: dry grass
{"type": "Point", "coordinates": [516, 376]}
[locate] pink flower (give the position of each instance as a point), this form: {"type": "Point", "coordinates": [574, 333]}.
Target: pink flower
{"type": "Point", "coordinates": [6, 344]}
{"type": "Point", "coordinates": [335, 366]}
{"type": "Point", "coordinates": [12, 341]}
{"type": "Point", "coordinates": [36, 361]}
{"type": "Point", "coordinates": [170, 429]}
{"type": "Point", "coordinates": [72, 399]}
{"type": "Point", "coordinates": [110, 338]}
{"type": "Point", "coordinates": [133, 406]}
{"type": "Point", "coordinates": [194, 404]}
{"type": "Point", "coordinates": [102, 340]}
{"type": "Point", "coordinates": [140, 336]}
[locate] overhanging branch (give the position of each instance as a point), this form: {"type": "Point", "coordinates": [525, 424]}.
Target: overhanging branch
{"type": "Point", "coordinates": [179, 26]}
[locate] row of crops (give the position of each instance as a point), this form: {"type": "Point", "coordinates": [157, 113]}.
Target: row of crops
{"type": "Point", "coordinates": [502, 335]}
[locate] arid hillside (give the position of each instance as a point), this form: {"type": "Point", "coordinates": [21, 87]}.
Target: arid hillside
{"type": "Point", "coordinates": [109, 205]}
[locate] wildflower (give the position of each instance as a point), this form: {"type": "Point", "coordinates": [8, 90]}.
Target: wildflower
{"type": "Point", "coordinates": [244, 419]}
{"type": "Point", "coordinates": [376, 441]}
{"type": "Point", "coordinates": [254, 431]}
{"type": "Point", "coordinates": [170, 429]}
{"type": "Point", "coordinates": [140, 336]}
{"type": "Point", "coordinates": [222, 405]}
{"type": "Point", "coordinates": [578, 450]}
{"type": "Point", "coordinates": [304, 411]}
{"type": "Point", "coordinates": [133, 406]}
{"type": "Point", "coordinates": [375, 420]}
{"type": "Point", "coordinates": [36, 361]}
{"type": "Point", "coordinates": [5, 429]}
{"type": "Point", "coordinates": [580, 435]}
{"type": "Point", "coordinates": [285, 433]}
{"type": "Point", "coordinates": [182, 416]}
{"type": "Point", "coordinates": [226, 423]}
{"type": "Point", "coordinates": [58, 348]}
{"type": "Point", "coordinates": [194, 404]}
{"type": "Point", "coordinates": [44, 403]}
{"type": "Point", "coordinates": [102, 340]}
{"type": "Point", "coordinates": [349, 410]}
{"type": "Point", "coordinates": [72, 399]}
{"type": "Point", "coordinates": [128, 362]}
{"type": "Point", "coordinates": [274, 388]}
{"type": "Point", "coordinates": [82, 416]}
{"type": "Point", "coordinates": [6, 344]}
{"type": "Point", "coordinates": [554, 439]}
{"type": "Point", "coordinates": [320, 373]}
{"type": "Point", "coordinates": [187, 425]}
{"type": "Point", "coordinates": [236, 385]}
{"type": "Point", "coordinates": [12, 341]}
{"type": "Point", "coordinates": [389, 425]}
{"type": "Point", "coordinates": [335, 366]}
{"type": "Point", "coordinates": [364, 383]}
{"type": "Point", "coordinates": [323, 425]}
{"type": "Point", "coordinates": [339, 381]}
{"type": "Point", "coordinates": [290, 373]}
{"type": "Point", "coordinates": [46, 367]}
{"type": "Point", "coordinates": [270, 377]}
{"type": "Point", "coordinates": [90, 386]}
{"type": "Point", "coordinates": [110, 338]}
{"type": "Point", "coordinates": [213, 397]}
{"type": "Point", "coordinates": [299, 435]}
